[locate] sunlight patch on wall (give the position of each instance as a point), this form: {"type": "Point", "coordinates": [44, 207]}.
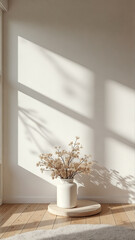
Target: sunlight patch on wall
{"type": "Point", "coordinates": [56, 77]}
{"type": "Point", "coordinates": [120, 157]}
{"type": "Point", "coordinates": [120, 135]}
{"type": "Point", "coordinates": [41, 128]}
{"type": "Point", "coordinates": [120, 110]}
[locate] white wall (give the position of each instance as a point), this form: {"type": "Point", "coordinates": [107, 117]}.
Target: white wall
{"type": "Point", "coordinates": [1, 184]}
{"type": "Point", "coordinates": [68, 70]}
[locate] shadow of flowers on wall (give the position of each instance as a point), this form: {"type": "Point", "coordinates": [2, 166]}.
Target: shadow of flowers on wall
{"type": "Point", "coordinates": [102, 182]}
{"type": "Point", "coordinates": [34, 124]}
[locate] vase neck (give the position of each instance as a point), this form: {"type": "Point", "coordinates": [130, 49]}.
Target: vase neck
{"type": "Point", "coordinates": [67, 180]}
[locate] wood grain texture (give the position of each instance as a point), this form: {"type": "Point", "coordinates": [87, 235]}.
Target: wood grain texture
{"type": "Point", "coordinates": [61, 221]}
{"type": "Point", "coordinates": [35, 218]}
{"type": "Point", "coordinates": [130, 212]}
{"type": "Point", "coordinates": [120, 216]}
{"type": "Point", "coordinates": [10, 217]}
{"type": "Point", "coordinates": [106, 216]}
{"type": "Point", "coordinates": [19, 218]}
{"type": "Point", "coordinates": [93, 219]}
{"type": "Point", "coordinates": [78, 220]}
{"type": "Point", "coordinates": [47, 221]}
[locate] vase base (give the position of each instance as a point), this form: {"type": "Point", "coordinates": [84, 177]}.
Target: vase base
{"type": "Point", "coordinates": [83, 208]}
{"type": "Point", "coordinates": [67, 207]}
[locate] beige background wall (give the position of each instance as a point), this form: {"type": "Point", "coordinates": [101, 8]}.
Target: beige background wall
{"type": "Point", "coordinates": [1, 106]}
{"type": "Point", "coordinates": [69, 71]}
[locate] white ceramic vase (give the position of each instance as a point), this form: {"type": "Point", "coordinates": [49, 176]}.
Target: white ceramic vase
{"type": "Point", "coordinates": [66, 193]}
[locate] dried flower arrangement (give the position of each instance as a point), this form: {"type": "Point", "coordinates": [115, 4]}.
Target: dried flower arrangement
{"type": "Point", "coordinates": [66, 164]}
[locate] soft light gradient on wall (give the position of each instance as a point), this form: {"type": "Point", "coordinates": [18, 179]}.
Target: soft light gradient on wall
{"type": "Point", "coordinates": [1, 110]}
{"type": "Point", "coordinates": [69, 72]}
{"type": "Point", "coordinates": [59, 109]}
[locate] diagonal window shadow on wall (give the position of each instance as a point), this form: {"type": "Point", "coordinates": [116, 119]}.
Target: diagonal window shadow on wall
{"type": "Point", "coordinates": [97, 123]}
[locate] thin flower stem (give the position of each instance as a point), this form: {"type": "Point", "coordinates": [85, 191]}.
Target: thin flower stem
{"type": "Point", "coordinates": [65, 165]}
{"type": "Point", "coordinates": [61, 158]}
{"type": "Point", "coordinates": [73, 148]}
{"type": "Point", "coordinates": [76, 173]}
{"type": "Point", "coordinates": [80, 163]}
{"type": "Point", "coordinates": [66, 170]}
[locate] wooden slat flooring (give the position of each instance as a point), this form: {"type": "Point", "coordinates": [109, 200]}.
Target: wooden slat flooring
{"type": "Point", "coordinates": [11, 215]}
{"type": "Point", "coordinates": [47, 222]}
{"type": "Point", "coordinates": [20, 218]}
{"type": "Point", "coordinates": [106, 216]}
{"type": "Point", "coordinates": [35, 218]}
{"type": "Point", "coordinates": [130, 212]}
{"type": "Point", "coordinates": [120, 215]}
{"type": "Point", "coordinates": [93, 219]}
{"type": "Point", "coordinates": [78, 220]}
{"type": "Point", "coordinates": [61, 221]}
